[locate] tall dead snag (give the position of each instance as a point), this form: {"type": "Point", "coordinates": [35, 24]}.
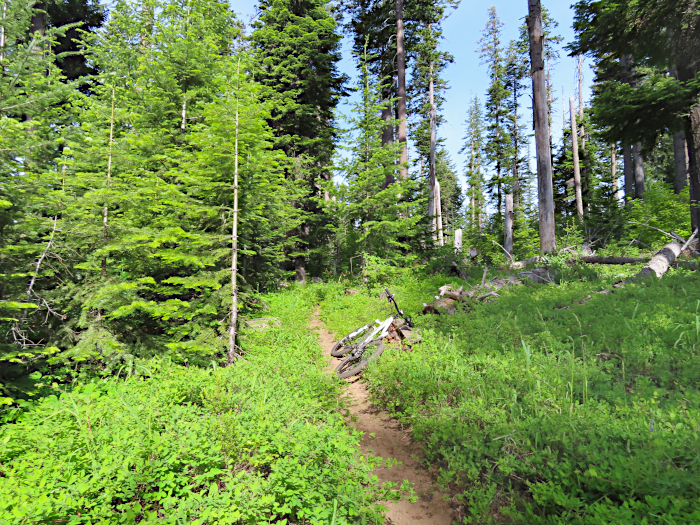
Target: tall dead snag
{"type": "Point", "coordinates": [105, 210]}
{"type": "Point", "coordinates": [577, 168]}
{"type": "Point", "coordinates": [638, 171]}
{"type": "Point", "coordinates": [401, 103]}
{"type": "Point", "coordinates": [613, 164]}
{"type": "Point", "coordinates": [660, 263]}
{"type": "Point", "coordinates": [582, 130]}
{"type": "Point", "coordinates": [680, 160]}
{"type": "Point", "coordinates": [548, 241]}
{"type": "Point", "coordinates": [438, 213]}
{"type": "Point", "coordinates": [629, 171]}
{"type": "Point", "coordinates": [508, 237]}
{"type": "Point", "coordinates": [232, 354]}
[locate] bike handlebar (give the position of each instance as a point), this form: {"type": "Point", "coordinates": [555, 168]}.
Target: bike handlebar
{"type": "Point", "coordinates": [391, 299]}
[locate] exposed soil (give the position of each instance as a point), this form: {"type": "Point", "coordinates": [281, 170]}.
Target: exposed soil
{"type": "Point", "coordinates": [387, 438]}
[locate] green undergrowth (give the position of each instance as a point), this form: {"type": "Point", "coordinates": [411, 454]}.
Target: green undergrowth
{"type": "Point", "coordinates": [554, 403]}
{"type": "Point", "coordinates": [260, 442]}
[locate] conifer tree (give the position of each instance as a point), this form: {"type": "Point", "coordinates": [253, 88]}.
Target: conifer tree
{"type": "Point", "coordinates": [296, 45]}
{"type": "Point", "coordinates": [473, 147]}
{"type": "Point", "coordinates": [497, 141]}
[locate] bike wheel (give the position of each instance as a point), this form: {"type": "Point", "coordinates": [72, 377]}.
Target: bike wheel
{"type": "Point", "coordinates": [353, 365]}
{"type": "Point", "coordinates": [348, 343]}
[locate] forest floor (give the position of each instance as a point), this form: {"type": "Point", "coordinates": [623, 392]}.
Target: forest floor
{"type": "Point", "coordinates": [387, 438]}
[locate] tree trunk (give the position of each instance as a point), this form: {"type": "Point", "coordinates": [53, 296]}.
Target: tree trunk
{"type": "Point", "coordinates": [232, 354]}
{"type": "Point", "coordinates": [613, 164]}
{"type": "Point", "coordinates": [660, 263]}
{"type": "Point", "coordinates": [548, 241]}
{"type": "Point", "coordinates": [680, 160]}
{"type": "Point", "coordinates": [692, 135]}
{"type": "Point", "coordinates": [508, 240]}
{"type": "Point", "coordinates": [629, 171]}
{"type": "Point", "coordinates": [577, 171]}
{"type": "Point", "coordinates": [438, 214]}
{"type": "Point", "coordinates": [401, 103]}
{"type": "Point", "coordinates": [582, 131]}
{"type": "Point", "coordinates": [638, 171]}
{"type": "Point", "coordinates": [387, 137]}
{"type": "Point", "coordinates": [105, 210]}
{"type": "Point", "coordinates": [458, 241]}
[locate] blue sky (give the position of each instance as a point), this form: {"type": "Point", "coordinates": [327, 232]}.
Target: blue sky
{"type": "Point", "coordinates": [466, 77]}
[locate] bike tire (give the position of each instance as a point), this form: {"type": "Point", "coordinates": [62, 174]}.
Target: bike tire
{"type": "Point", "coordinates": [345, 345]}
{"type": "Point", "coordinates": [354, 365]}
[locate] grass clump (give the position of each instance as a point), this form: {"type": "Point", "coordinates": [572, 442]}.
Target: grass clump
{"type": "Point", "coordinates": [554, 403]}
{"type": "Point", "coordinates": [259, 442]}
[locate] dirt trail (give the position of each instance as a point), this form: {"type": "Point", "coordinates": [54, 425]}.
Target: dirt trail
{"type": "Point", "coordinates": [390, 440]}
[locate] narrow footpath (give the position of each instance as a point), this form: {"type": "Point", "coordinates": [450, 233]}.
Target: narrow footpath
{"type": "Point", "coordinates": [387, 438]}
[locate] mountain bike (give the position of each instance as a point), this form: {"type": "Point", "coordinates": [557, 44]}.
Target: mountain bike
{"type": "Point", "coordinates": [367, 342]}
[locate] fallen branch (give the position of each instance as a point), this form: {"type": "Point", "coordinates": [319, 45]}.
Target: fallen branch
{"type": "Point", "coordinates": [670, 234]}
{"type": "Point", "coordinates": [687, 243]}
{"type": "Point", "coordinates": [506, 251]}
{"type": "Point", "coordinates": [490, 294]}
{"type": "Point", "coordinates": [519, 265]}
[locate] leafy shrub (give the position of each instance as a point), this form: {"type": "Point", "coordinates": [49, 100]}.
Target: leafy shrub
{"type": "Point", "coordinates": [261, 441]}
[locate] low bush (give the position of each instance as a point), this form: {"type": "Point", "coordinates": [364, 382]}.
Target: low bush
{"type": "Point", "coordinates": [259, 442]}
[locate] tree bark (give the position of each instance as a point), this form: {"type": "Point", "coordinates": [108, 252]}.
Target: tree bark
{"type": "Point", "coordinates": [613, 161]}
{"type": "Point", "coordinates": [692, 135]}
{"type": "Point", "coordinates": [401, 103]}
{"type": "Point", "coordinates": [458, 241]}
{"type": "Point", "coordinates": [434, 197]}
{"type": "Point", "coordinates": [577, 169]}
{"type": "Point", "coordinates": [508, 237]}
{"type": "Point", "coordinates": [680, 160]}
{"type": "Point", "coordinates": [387, 138]}
{"type": "Point", "coordinates": [582, 131]}
{"type": "Point", "coordinates": [661, 262]}
{"type": "Point", "coordinates": [438, 214]}
{"type": "Point", "coordinates": [232, 354]}
{"type": "Point", "coordinates": [548, 242]}
{"type": "Point", "coordinates": [629, 171]}
{"type": "Point", "coordinates": [638, 171]}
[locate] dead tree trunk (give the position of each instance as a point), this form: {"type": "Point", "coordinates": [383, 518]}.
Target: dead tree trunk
{"type": "Point", "coordinates": [680, 161]}
{"type": "Point", "coordinates": [692, 135]}
{"type": "Point", "coordinates": [629, 171]}
{"type": "Point", "coordinates": [232, 354]}
{"type": "Point", "coordinates": [661, 262]}
{"type": "Point", "coordinates": [438, 214]}
{"type": "Point", "coordinates": [548, 241]}
{"type": "Point", "coordinates": [387, 137]}
{"type": "Point", "coordinates": [105, 210]}
{"type": "Point", "coordinates": [401, 103]}
{"type": "Point", "coordinates": [613, 161]}
{"type": "Point", "coordinates": [508, 237]}
{"type": "Point", "coordinates": [638, 171]}
{"type": "Point", "coordinates": [577, 169]}
{"type": "Point", "coordinates": [582, 131]}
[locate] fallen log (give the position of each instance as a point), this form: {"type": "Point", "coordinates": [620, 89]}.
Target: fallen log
{"type": "Point", "coordinates": [661, 262]}
{"type": "Point", "coordinates": [609, 260]}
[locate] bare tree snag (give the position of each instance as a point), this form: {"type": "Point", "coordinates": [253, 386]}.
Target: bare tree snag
{"type": "Point", "coordinates": [105, 210]}
{"type": "Point", "coordinates": [401, 103]}
{"type": "Point", "coordinates": [629, 171]}
{"type": "Point", "coordinates": [613, 164]}
{"type": "Point", "coordinates": [438, 216]}
{"type": "Point", "coordinates": [661, 262]}
{"type": "Point", "coordinates": [638, 171]}
{"type": "Point", "coordinates": [680, 161]}
{"type": "Point", "coordinates": [692, 135]}
{"type": "Point", "coordinates": [508, 237]}
{"type": "Point", "coordinates": [458, 241]}
{"type": "Point", "coordinates": [232, 354]}
{"type": "Point", "coordinates": [577, 169]}
{"type": "Point", "coordinates": [548, 241]}
{"type": "Point", "coordinates": [582, 131]}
